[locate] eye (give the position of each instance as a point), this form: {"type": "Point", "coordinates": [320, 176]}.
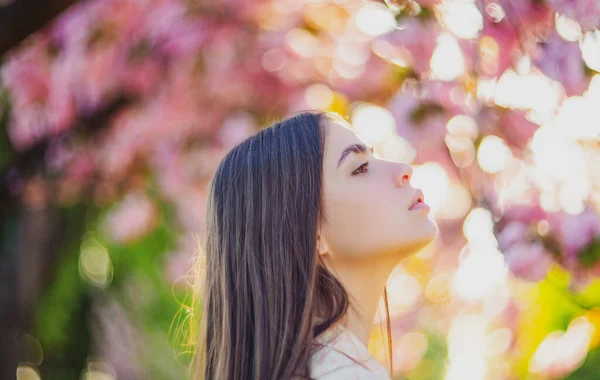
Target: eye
{"type": "Point", "coordinates": [361, 169]}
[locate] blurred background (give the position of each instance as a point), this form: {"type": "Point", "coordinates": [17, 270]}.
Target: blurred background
{"type": "Point", "coordinates": [115, 113]}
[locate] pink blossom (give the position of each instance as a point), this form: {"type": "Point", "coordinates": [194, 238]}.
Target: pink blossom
{"type": "Point", "coordinates": [414, 125]}
{"type": "Point", "coordinates": [499, 44]}
{"type": "Point", "coordinates": [419, 38]}
{"type": "Point", "coordinates": [528, 17]}
{"type": "Point", "coordinates": [116, 340]}
{"type": "Point", "coordinates": [561, 60]}
{"type": "Point", "coordinates": [581, 277]}
{"type": "Point", "coordinates": [132, 218]}
{"type": "Point", "coordinates": [142, 77]}
{"type": "Point", "coordinates": [169, 27]}
{"type": "Point", "coordinates": [72, 27]}
{"type": "Point", "coordinates": [529, 262]}
{"type": "Point", "coordinates": [236, 128]}
{"type": "Point", "coordinates": [586, 12]}
{"type": "Point", "coordinates": [26, 76]}
{"type": "Point", "coordinates": [428, 3]}
{"type": "Point", "coordinates": [101, 77]}
{"type": "Point", "coordinates": [180, 262]}
{"type": "Point", "coordinates": [80, 167]}
{"type": "Point", "coordinates": [526, 213]}
{"type": "Point", "coordinates": [575, 231]}
{"type": "Point", "coordinates": [514, 232]}
{"type": "Point", "coordinates": [421, 120]}
{"type": "Point", "coordinates": [517, 130]}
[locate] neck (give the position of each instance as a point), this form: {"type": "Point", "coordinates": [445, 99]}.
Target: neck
{"type": "Point", "coordinates": [364, 284]}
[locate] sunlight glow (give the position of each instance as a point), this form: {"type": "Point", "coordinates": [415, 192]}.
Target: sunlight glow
{"type": "Point", "coordinates": [26, 372]}
{"type": "Point", "coordinates": [433, 180]}
{"type": "Point", "coordinates": [375, 19]}
{"type": "Point", "coordinates": [439, 288]}
{"type": "Point", "coordinates": [396, 148]}
{"type": "Point", "coordinates": [460, 17]}
{"type": "Point", "coordinates": [318, 96]}
{"type": "Point", "coordinates": [405, 291]}
{"type": "Point", "coordinates": [457, 202]}
{"type": "Point", "coordinates": [481, 270]}
{"type": "Point", "coordinates": [466, 348]}
{"type": "Point", "coordinates": [590, 49]}
{"type": "Point", "coordinates": [95, 265]}
{"type": "Point", "coordinates": [478, 226]}
{"type": "Point", "coordinates": [447, 62]}
{"type": "Point", "coordinates": [563, 351]}
{"type": "Point", "coordinates": [578, 116]}
{"type": "Point", "coordinates": [408, 350]}
{"type": "Point", "coordinates": [372, 123]}
{"type": "Point", "coordinates": [493, 154]}
{"type": "Point", "coordinates": [302, 42]}
{"type": "Point", "coordinates": [534, 91]}
{"type": "Point", "coordinates": [567, 28]}
{"type": "Point", "coordinates": [397, 55]}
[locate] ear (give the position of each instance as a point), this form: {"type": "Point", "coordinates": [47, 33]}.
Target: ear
{"type": "Point", "coordinates": [322, 246]}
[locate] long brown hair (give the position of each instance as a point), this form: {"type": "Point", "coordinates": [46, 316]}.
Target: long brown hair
{"type": "Point", "coordinates": [262, 284]}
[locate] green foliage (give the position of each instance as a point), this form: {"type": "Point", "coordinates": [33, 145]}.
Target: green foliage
{"type": "Point", "coordinates": [590, 369]}
{"type": "Point", "coordinates": [590, 255]}
{"type": "Point", "coordinates": [63, 324]}
{"type": "Point", "coordinates": [433, 364]}
{"type": "Point", "coordinates": [6, 150]}
{"type": "Point", "coordinates": [61, 319]}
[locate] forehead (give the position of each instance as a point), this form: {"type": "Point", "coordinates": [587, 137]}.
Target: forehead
{"type": "Point", "coordinates": [340, 136]}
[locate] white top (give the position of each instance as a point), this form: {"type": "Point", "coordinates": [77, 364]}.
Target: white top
{"type": "Point", "coordinates": [330, 363]}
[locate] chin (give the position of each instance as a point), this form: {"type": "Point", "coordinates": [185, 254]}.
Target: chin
{"type": "Point", "coordinates": [428, 234]}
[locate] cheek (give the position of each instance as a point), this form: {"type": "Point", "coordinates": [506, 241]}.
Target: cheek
{"type": "Point", "coordinates": [359, 227]}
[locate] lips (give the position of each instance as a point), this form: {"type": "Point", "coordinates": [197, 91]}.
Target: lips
{"type": "Point", "coordinates": [418, 199]}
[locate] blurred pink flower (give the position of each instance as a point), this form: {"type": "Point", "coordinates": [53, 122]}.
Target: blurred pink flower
{"type": "Point", "coordinates": [428, 3]}
{"type": "Point", "coordinates": [169, 26]}
{"type": "Point", "coordinates": [132, 218]}
{"type": "Point", "coordinates": [80, 167]}
{"type": "Point", "coordinates": [26, 76]}
{"type": "Point", "coordinates": [575, 231]}
{"type": "Point", "coordinates": [499, 43]}
{"type": "Point", "coordinates": [525, 213]}
{"type": "Point", "coordinates": [71, 28]}
{"type": "Point", "coordinates": [529, 262]}
{"type": "Point", "coordinates": [514, 232]}
{"type": "Point", "coordinates": [419, 38]}
{"type": "Point", "coordinates": [528, 15]}
{"type": "Point", "coordinates": [180, 262]}
{"type": "Point", "coordinates": [517, 130]}
{"type": "Point", "coordinates": [101, 77]}
{"type": "Point", "coordinates": [421, 120]}
{"type": "Point", "coordinates": [581, 277]}
{"type": "Point", "coordinates": [39, 90]}
{"type": "Point", "coordinates": [586, 12]}
{"type": "Point", "coordinates": [236, 128]}
{"type": "Point", "coordinates": [417, 118]}
{"type": "Point", "coordinates": [116, 339]}
{"type": "Point", "coordinates": [142, 77]}
{"type": "Point", "coordinates": [561, 60]}
{"type": "Point", "coordinates": [374, 79]}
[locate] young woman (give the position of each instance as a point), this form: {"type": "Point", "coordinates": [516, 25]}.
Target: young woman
{"type": "Point", "coordinates": [304, 226]}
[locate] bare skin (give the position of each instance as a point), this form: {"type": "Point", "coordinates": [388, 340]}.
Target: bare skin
{"type": "Point", "coordinates": [370, 228]}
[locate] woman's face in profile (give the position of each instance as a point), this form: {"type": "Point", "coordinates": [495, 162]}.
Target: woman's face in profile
{"type": "Point", "coordinates": [369, 206]}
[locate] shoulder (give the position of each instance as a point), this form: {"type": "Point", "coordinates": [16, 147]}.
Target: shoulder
{"type": "Point", "coordinates": [343, 356]}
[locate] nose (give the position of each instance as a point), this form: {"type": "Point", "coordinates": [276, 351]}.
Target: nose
{"type": "Point", "coordinates": [403, 174]}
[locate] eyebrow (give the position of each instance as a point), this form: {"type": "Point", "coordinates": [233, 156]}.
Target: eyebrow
{"type": "Point", "coordinates": [354, 148]}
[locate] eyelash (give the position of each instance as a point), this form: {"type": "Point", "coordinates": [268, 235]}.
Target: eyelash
{"type": "Point", "coordinates": [365, 165]}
